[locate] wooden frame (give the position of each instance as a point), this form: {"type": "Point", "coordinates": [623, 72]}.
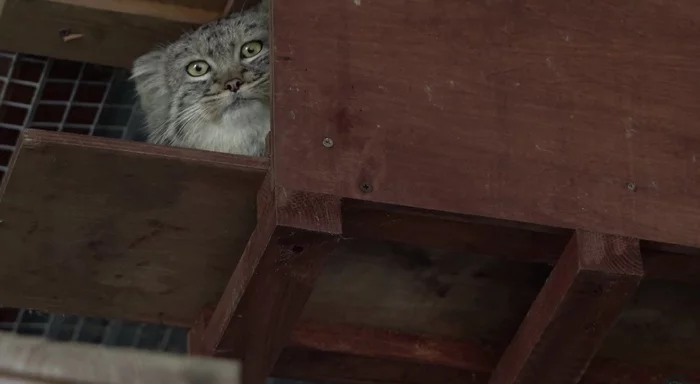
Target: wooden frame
{"type": "Point", "coordinates": [421, 220]}
{"type": "Point", "coordinates": [285, 257]}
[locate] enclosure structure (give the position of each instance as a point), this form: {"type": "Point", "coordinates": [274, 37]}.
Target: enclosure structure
{"type": "Point", "coordinates": [486, 192]}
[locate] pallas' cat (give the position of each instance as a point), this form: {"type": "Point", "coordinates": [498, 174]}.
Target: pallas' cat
{"type": "Point", "coordinates": [210, 89]}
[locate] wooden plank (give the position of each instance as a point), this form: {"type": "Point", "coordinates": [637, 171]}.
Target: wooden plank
{"type": "Point", "coordinates": [473, 234]}
{"type": "Point", "coordinates": [324, 367]}
{"type": "Point", "coordinates": [459, 233]}
{"type": "Point", "coordinates": [181, 11]}
{"type": "Point", "coordinates": [273, 280]}
{"type": "Point", "coordinates": [605, 371]}
{"type": "Point", "coordinates": [392, 345]}
{"type": "Point", "coordinates": [578, 305]}
{"type": "Point", "coordinates": [338, 353]}
{"type": "Point", "coordinates": [118, 229]}
{"type": "Point", "coordinates": [507, 124]}
{"type": "Point", "coordinates": [39, 361]}
{"type": "Point", "coordinates": [421, 291]}
{"type": "Point", "coordinates": [109, 38]}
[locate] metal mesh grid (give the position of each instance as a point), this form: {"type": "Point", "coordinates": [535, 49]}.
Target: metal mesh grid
{"type": "Point", "coordinates": [63, 96]}
{"type": "Point", "coordinates": [91, 330]}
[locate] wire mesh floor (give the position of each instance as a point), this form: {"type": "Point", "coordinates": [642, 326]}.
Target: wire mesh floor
{"type": "Point", "coordinates": [82, 98]}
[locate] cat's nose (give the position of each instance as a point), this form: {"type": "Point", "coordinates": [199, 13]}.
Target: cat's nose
{"type": "Point", "coordinates": [234, 85]}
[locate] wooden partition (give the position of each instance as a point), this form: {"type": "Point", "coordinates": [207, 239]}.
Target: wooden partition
{"type": "Point", "coordinates": [485, 192]}
{"type": "Point", "coordinates": [117, 229]}
{"type": "Point", "coordinates": [564, 113]}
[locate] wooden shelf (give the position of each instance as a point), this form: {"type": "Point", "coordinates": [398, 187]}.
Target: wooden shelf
{"type": "Point", "coordinates": [110, 32]}
{"type": "Point", "coordinates": [118, 229]}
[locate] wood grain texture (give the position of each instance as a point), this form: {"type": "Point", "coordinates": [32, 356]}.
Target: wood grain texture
{"type": "Point", "coordinates": [337, 353]}
{"type": "Point", "coordinates": [479, 235]}
{"type": "Point", "coordinates": [565, 113]}
{"type": "Point", "coordinates": [308, 211]}
{"type": "Point", "coordinates": [191, 12]}
{"type": "Point", "coordinates": [109, 38]}
{"type": "Point", "coordinates": [39, 361]}
{"type": "Point", "coordinates": [116, 229]}
{"type": "Point", "coordinates": [392, 345]}
{"type": "Point", "coordinates": [578, 305]}
{"type": "Point", "coordinates": [271, 283]}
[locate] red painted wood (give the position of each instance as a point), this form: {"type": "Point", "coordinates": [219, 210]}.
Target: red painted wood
{"type": "Point", "coordinates": [569, 319]}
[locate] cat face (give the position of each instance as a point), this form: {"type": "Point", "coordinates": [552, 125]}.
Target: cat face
{"type": "Point", "coordinates": [219, 68]}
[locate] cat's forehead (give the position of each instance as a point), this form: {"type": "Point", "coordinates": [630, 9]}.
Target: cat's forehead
{"type": "Point", "coordinates": [223, 36]}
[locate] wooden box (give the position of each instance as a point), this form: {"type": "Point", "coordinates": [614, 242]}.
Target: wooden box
{"type": "Point", "coordinates": [484, 192]}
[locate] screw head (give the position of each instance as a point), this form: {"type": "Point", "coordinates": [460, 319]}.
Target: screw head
{"type": "Point", "coordinates": [328, 142]}
{"type": "Point", "coordinates": [631, 186]}
{"type": "Point", "coordinates": [365, 188]}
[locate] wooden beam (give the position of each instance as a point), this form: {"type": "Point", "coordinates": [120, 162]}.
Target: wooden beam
{"type": "Point", "coordinates": [481, 235]}
{"type": "Point", "coordinates": [458, 233]}
{"type": "Point", "coordinates": [338, 368]}
{"type": "Point", "coordinates": [122, 229]}
{"type": "Point", "coordinates": [338, 353]}
{"type": "Point", "coordinates": [155, 9]}
{"type": "Point", "coordinates": [392, 345]}
{"type": "Point", "coordinates": [270, 285]}
{"type": "Point", "coordinates": [569, 319]}
{"type": "Point", "coordinates": [32, 360]}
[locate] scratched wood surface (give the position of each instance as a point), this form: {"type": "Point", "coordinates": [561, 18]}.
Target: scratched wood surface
{"type": "Point", "coordinates": [568, 113]}
{"type": "Point", "coordinates": [125, 230]}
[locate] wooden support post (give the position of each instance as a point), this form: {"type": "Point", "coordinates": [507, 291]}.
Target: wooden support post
{"type": "Point", "coordinates": [270, 285]}
{"type": "Point", "coordinates": [571, 316]}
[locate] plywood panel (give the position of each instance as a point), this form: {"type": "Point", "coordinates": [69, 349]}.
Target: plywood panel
{"type": "Point", "coordinates": [122, 230]}
{"type": "Point", "coordinates": [566, 113]}
{"type": "Point", "coordinates": [110, 38]}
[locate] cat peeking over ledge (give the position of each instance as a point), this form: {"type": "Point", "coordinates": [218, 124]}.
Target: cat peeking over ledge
{"type": "Point", "coordinates": [210, 89]}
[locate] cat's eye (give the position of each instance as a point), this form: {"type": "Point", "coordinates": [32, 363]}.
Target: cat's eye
{"type": "Point", "coordinates": [251, 49]}
{"type": "Point", "coordinates": [198, 68]}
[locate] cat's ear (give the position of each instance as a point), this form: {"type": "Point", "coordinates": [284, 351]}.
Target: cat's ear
{"type": "Point", "coordinates": [147, 65]}
{"type": "Point", "coordinates": [264, 6]}
{"type": "Point", "coordinates": [148, 74]}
